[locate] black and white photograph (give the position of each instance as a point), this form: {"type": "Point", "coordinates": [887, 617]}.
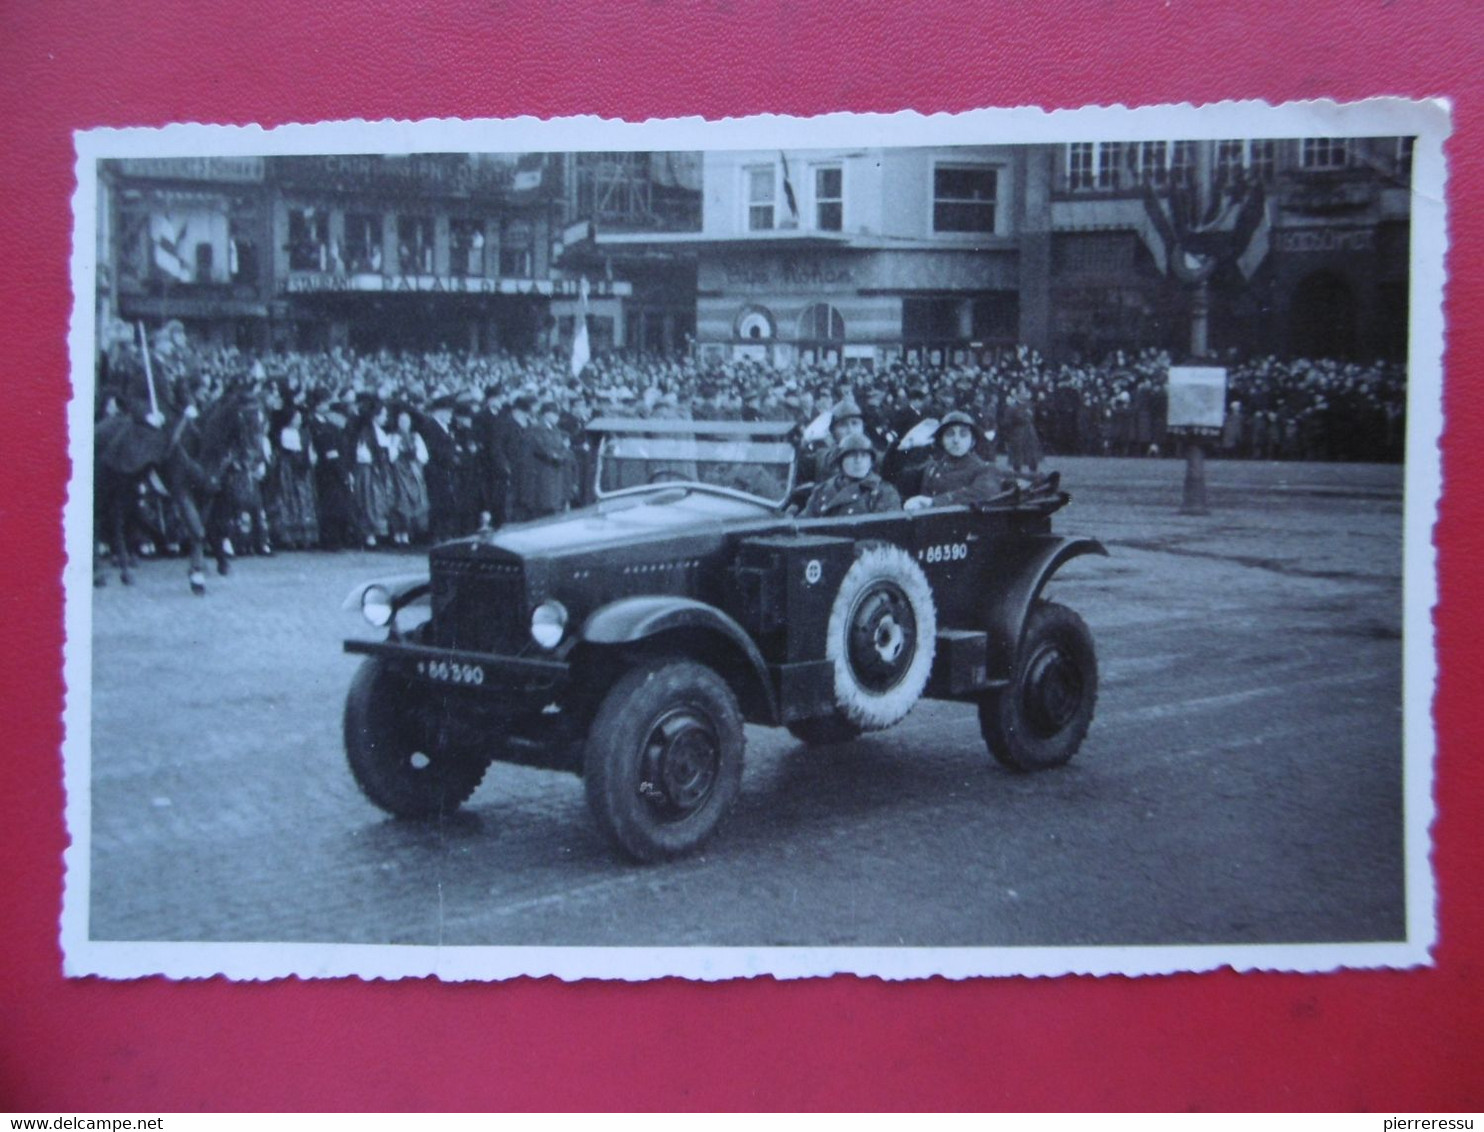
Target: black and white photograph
{"type": "Point", "coordinates": [981, 544]}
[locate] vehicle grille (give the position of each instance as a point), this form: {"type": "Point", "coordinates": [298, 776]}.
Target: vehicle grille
{"type": "Point", "coordinates": [479, 605]}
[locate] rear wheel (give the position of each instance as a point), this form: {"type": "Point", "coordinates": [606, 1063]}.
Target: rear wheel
{"type": "Point", "coordinates": [1041, 718]}
{"type": "Point", "coordinates": [663, 761]}
{"type": "Point", "coordinates": [395, 760]}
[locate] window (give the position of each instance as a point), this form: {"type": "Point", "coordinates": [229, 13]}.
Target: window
{"type": "Point", "coordinates": [242, 252]}
{"type": "Point", "coordinates": [762, 195]}
{"type": "Point", "coordinates": [1325, 153]}
{"type": "Point", "coordinates": [363, 243]}
{"type": "Point", "coordinates": [925, 319]}
{"type": "Point", "coordinates": [996, 316]}
{"type": "Point", "coordinates": [963, 199]}
{"type": "Point", "coordinates": [1099, 165]}
{"type": "Point", "coordinates": [1230, 161]}
{"type": "Point", "coordinates": [309, 239]}
{"type": "Point", "coordinates": [466, 247]}
{"type": "Point", "coordinates": [518, 249]}
{"type": "Point", "coordinates": [1182, 163]}
{"type": "Point", "coordinates": [1081, 165]}
{"type": "Point", "coordinates": [415, 245]}
{"type": "Point", "coordinates": [821, 321]}
{"type": "Point", "coordinates": [1110, 165]}
{"type": "Point", "coordinates": [829, 199]}
{"type": "Point", "coordinates": [1262, 159]}
{"type": "Point", "coordinates": [1150, 160]}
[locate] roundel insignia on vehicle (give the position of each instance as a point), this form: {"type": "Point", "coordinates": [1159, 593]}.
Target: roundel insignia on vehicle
{"type": "Point", "coordinates": [813, 571]}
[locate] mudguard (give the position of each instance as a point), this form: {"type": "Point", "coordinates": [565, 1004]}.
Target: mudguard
{"type": "Point", "coordinates": [1023, 570]}
{"type": "Point", "coordinates": [634, 619]}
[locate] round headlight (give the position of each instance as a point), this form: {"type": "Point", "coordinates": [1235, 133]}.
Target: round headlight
{"type": "Point", "coordinates": [376, 606]}
{"type": "Point", "coordinates": [548, 623]}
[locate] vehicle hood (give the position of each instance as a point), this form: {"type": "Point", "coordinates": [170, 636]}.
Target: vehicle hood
{"type": "Point", "coordinates": [625, 520]}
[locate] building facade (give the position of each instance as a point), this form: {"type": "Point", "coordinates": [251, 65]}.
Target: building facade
{"type": "Point", "coordinates": [864, 255]}
{"type": "Point", "coordinates": [1316, 233]}
{"type": "Point", "coordinates": [858, 255]}
{"type": "Point", "coordinates": [421, 251]}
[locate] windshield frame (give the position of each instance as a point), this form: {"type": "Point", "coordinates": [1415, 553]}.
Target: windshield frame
{"type": "Point", "coordinates": [765, 432]}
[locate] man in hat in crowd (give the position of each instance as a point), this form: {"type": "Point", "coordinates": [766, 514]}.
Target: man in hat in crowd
{"type": "Point", "coordinates": [544, 470]}
{"type": "Point", "coordinates": [442, 469]}
{"type": "Point", "coordinates": [955, 474]}
{"type": "Point", "coordinates": [854, 488]}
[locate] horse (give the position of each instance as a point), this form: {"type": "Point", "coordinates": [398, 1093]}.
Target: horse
{"type": "Point", "coordinates": [208, 465]}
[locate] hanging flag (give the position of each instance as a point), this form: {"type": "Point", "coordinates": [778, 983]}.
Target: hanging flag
{"type": "Point", "coordinates": [530, 174]}
{"type": "Point", "coordinates": [1254, 227]}
{"type": "Point", "coordinates": [581, 348]}
{"type": "Point", "coordinates": [168, 240]}
{"type": "Point", "coordinates": [788, 190]}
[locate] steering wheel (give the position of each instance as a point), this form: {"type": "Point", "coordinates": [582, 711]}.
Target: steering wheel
{"type": "Point", "coordinates": [668, 475]}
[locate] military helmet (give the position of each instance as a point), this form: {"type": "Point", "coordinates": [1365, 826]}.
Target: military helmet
{"type": "Point", "coordinates": [844, 410]}
{"type": "Point", "coordinates": [958, 416]}
{"type": "Point", "coordinates": [851, 444]}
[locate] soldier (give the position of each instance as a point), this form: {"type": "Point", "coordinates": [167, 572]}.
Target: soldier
{"type": "Point", "coordinates": [846, 420]}
{"type": "Point", "coordinates": [855, 488]}
{"type": "Point", "coordinates": [956, 474]}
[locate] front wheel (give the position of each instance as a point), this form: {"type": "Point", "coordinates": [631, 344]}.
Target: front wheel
{"type": "Point", "coordinates": [663, 761]}
{"type": "Point", "coordinates": [395, 760]}
{"type": "Point", "coordinates": [1041, 718]}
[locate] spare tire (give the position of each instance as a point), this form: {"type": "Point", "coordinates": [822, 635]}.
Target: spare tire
{"type": "Point", "coordinates": [881, 636]}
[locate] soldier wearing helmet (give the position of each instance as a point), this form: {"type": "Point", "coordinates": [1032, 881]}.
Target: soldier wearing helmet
{"type": "Point", "coordinates": [955, 474]}
{"type": "Point", "coordinates": [854, 488]}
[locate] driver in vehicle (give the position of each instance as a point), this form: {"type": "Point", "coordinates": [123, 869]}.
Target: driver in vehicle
{"type": "Point", "coordinates": [955, 474]}
{"type": "Point", "coordinates": [855, 488]}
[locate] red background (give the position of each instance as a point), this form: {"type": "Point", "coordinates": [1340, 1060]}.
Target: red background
{"type": "Point", "coordinates": [1375, 1040]}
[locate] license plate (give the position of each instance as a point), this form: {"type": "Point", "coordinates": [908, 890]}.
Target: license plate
{"type": "Point", "coordinates": [458, 672]}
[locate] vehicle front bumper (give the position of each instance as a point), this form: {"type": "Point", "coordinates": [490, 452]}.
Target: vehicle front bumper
{"type": "Point", "coordinates": [467, 671]}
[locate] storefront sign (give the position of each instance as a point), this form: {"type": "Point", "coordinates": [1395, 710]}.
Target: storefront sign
{"type": "Point", "coordinates": [1320, 241]}
{"type": "Point", "coordinates": [967, 269]}
{"type": "Point", "coordinates": [809, 271]}
{"type": "Point", "coordinates": [244, 169]}
{"type": "Point", "coordinates": [314, 282]}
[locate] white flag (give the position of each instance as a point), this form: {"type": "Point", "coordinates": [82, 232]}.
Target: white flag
{"type": "Point", "coordinates": [581, 349]}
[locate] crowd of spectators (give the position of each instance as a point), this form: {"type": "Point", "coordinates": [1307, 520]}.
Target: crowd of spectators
{"type": "Point", "coordinates": [401, 447]}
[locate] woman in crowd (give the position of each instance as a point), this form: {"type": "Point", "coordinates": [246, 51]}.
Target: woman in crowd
{"type": "Point", "coordinates": [293, 503]}
{"type": "Point", "coordinates": [372, 478]}
{"type": "Point", "coordinates": [408, 514]}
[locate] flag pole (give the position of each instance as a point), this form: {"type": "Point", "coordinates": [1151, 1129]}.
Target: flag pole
{"type": "Point", "coordinates": [149, 373]}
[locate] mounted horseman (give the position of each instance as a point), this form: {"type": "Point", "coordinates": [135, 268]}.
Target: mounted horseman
{"type": "Point", "coordinates": [154, 431]}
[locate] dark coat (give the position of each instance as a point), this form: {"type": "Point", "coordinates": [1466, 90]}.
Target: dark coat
{"type": "Point", "coordinates": [441, 476]}
{"type": "Point", "coordinates": [841, 495]}
{"type": "Point", "coordinates": [545, 473]}
{"type": "Point", "coordinates": [963, 479]}
{"type": "Point", "coordinates": [1022, 445]}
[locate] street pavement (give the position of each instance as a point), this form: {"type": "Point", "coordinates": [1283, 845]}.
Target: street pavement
{"type": "Point", "coordinates": [1242, 781]}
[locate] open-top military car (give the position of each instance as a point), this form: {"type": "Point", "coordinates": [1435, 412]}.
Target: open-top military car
{"type": "Point", "coordinates": [628, 641]}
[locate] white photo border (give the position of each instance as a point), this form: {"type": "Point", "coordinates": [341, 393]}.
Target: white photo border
{"type": "Point", "coordinates": [1429, 121]}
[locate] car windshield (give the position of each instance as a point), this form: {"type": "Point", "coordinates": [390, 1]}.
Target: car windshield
{"type": "Point", "coordinates": [759, 467]}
